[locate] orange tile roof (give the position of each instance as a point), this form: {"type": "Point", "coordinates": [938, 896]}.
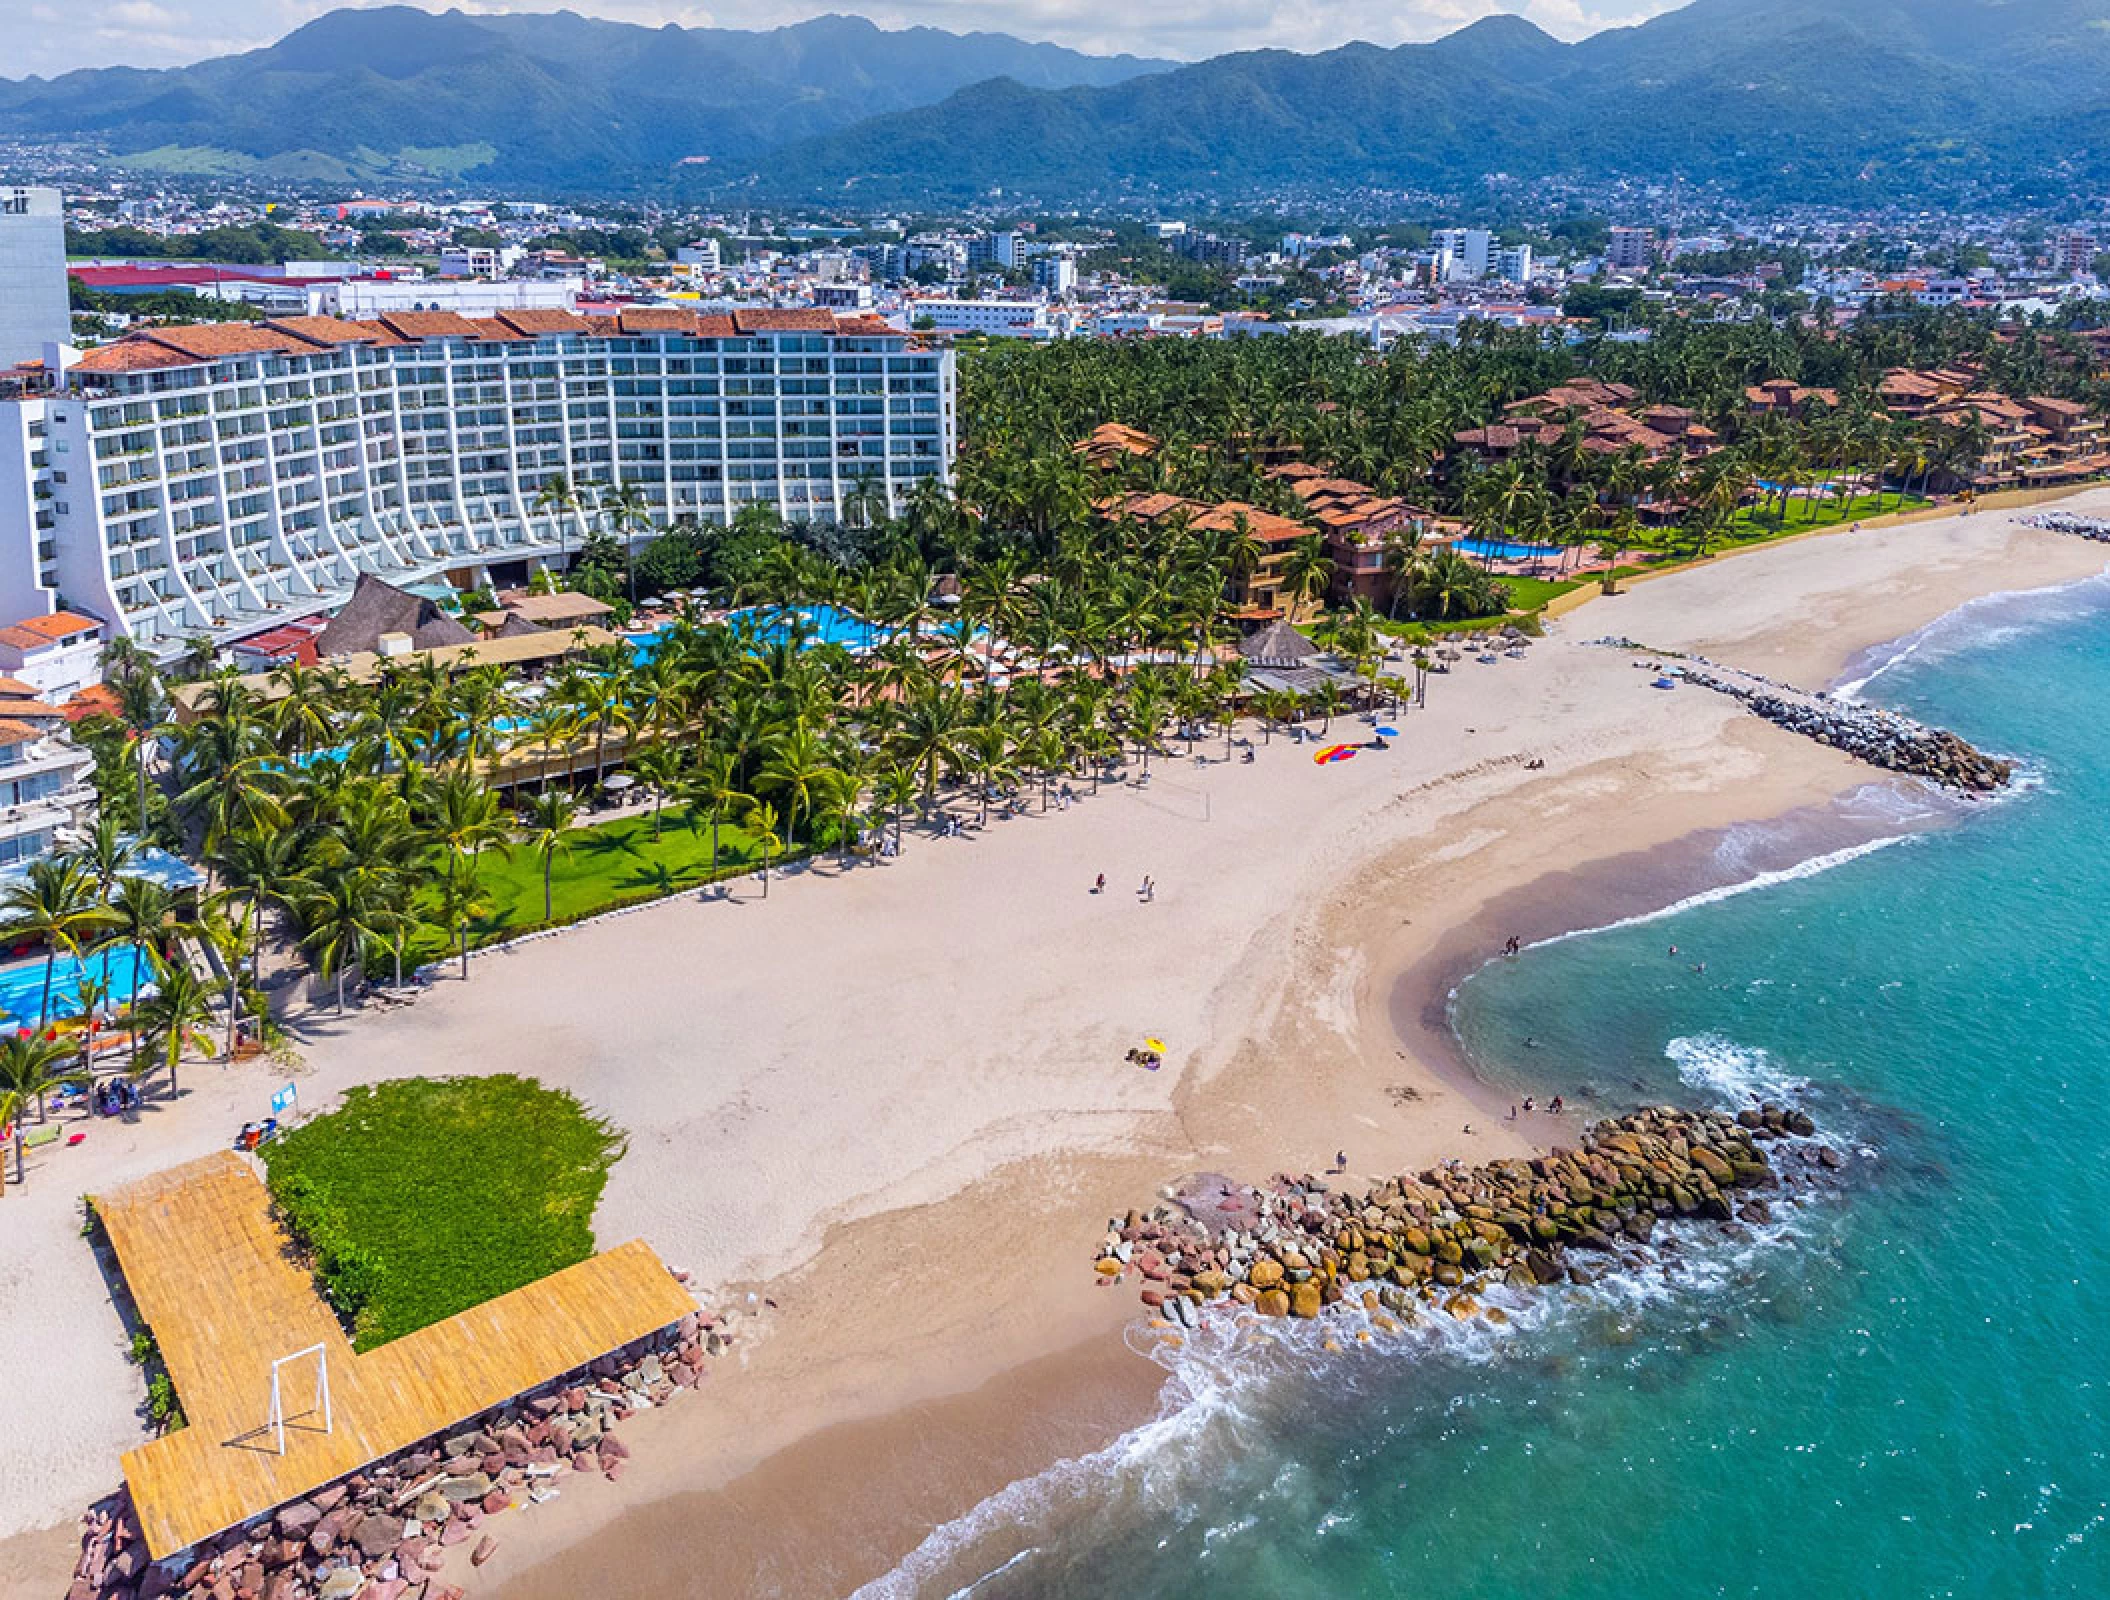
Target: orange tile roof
{"type": "Point", "coordinates": [129, 355]}
{"type": "Point", "coordinates": [323, 330]}
{"type": "Point", "coordinates": [430, 324]}
{"type": "Point", "coordinates": [97, 700]}
{"type": "Point", "coordinates": [58, 624]}
{"type": "Point", "coordinates": [12, 732]}
{"type": "Point", "coordinates": [490, 329]}
{"type": "Point", "coordinates": [655, 319]}
{"type": "Point", "coordinates": [384, 335]}
{"type": "Point", "coordinates": [538, 322]}
{"type": "Point", "coordinates": [794, 321]}
{"type": "Point", "coordinates": [207, 341]}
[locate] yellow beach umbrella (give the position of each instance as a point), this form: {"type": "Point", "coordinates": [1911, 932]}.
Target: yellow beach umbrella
{"type": "Point", "coordinates": [1156, 1044]}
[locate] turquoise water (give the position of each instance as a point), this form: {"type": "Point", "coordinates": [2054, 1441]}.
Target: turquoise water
{"type": "Point", "coordinates": [1507, 550]}
{"type": "Point", "coordinates": [773, 625]}
{"type": "Point", "coordinates": [124, 968]}
{"type": "Point", "coordinates": [1903, 1391]}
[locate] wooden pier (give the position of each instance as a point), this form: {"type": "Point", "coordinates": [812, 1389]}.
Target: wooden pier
{"type": "Point", "coordinates": [220, 1285]}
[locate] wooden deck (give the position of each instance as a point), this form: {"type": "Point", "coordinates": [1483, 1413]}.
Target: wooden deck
{"type": "Point", "coordinates": [216, 1279]}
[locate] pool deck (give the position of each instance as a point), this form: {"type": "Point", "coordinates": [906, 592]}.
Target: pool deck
{"type": "Point", "coordinates": [220, 1284]}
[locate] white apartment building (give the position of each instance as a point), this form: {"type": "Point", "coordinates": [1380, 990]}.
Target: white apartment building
{"type": "Point", "coordinates": [1055, 275]}
{"type": "Point", "coordinates": [466, 297]}
{"type": "Point", "coordinates": [1010, 319]}
{"type": "Point", "coordinates": [44, 789]}
{"type": "Point", "coordinates": [227, 478]}
{"type": "Point", "coordinates": [1466, 250]}
{"type": "Point", "coordinates": [1512, 263]}
{"type": "Point", "coordinates": [34, 310]}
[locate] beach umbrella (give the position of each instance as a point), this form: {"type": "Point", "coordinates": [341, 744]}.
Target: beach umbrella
{"type": "Point", "coordinates": [1155, 1044]}
{"type": "Point", "coordinates": [1387, 733]}
{"type": "Point", "coordinates": [620, 782]}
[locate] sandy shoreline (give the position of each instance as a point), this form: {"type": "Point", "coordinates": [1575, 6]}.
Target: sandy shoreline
{"type": "Point", "coordinates": [894, 1103]}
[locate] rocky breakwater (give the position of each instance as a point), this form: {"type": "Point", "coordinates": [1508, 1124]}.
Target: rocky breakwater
{"type": "Point", "coordinates": [1438, 1239]}
{"type": "Point", "coordinates": [1880, 738]}
{"type": "Point", "coordinates": [389, 1532]}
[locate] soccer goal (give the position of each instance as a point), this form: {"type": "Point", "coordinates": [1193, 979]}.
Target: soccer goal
{"type": "Point", "coordinates": [321, 1403]}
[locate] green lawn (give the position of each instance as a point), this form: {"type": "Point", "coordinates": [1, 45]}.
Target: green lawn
{"type": "Point", "coordinates": [608, 864]}
{"type": "Point", "coordinates": [422, 1197]}
{"type": "Point", "coordinates": [1529, 594]}
{"type": "Point", "coordinates": [1753, 524]}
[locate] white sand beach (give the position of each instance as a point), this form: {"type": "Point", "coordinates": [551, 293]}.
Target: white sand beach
{"type": "Point", "coordinates": [892, 1099]}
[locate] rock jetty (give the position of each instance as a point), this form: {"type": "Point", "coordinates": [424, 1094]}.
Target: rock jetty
{"type": "Point", "coordinates": [1437, 1240]}
{"type": "Point", "coordinates": [1880, 738]}
{"type": "Point", "coordinates": [390, 1531]}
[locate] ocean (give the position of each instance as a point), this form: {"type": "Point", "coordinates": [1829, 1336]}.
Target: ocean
{"type": "Point", "coordinates": [1901, 1389]}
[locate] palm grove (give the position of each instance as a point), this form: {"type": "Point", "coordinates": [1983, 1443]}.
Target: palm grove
{"type": "Point", "coordinates": [1023, 641]}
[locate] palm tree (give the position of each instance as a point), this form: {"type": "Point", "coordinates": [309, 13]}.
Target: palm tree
{"type": "Point", "coordinates": [561, 498]}
{"type": "Point", "coordinates": [1306, 571]}
{"type": "Point", "coordinates": [712, 786]}
{"type": "Point", "coordinates": [172, 1019]}
{"type": "Point", "coordinates": [108, 851]}
{"type": "Point", "coordinates": [895, 788]}
{"type": "Point", "coordinates": [54, 901]}
{"type": "Point", "coordinates": [344, 912]}
{"type": "Point", "coordinates": [548, 818]}
{"type": "Point", "coordinates": [658, 768]}
{"type": "Point", "coordinates": [31, 1066]}
{"type": "Point", "coordinates": [762, 828]}
{"type": "Point", "coordinates": [627, 510]}
{"type": "Point", "coordinates": [798, 768]}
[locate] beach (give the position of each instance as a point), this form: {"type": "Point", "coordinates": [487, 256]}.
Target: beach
{"type": "Point", "coordinates": [883, 1115]}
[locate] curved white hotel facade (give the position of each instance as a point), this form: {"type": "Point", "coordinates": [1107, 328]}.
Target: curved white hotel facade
{"type": "Point", "coordinates": [223, 478]}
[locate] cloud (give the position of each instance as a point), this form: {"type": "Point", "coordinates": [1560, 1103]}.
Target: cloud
{"type": "Point", "coordinates": [144, 15]}
{"type": "Point", "coordinates": [45, 38]}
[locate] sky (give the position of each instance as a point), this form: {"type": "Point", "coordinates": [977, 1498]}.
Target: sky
{"type": "Point", "coordinates": [46, 37]}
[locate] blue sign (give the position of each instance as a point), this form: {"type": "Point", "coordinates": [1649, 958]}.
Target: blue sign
{"type": "Point", "coordinates": [282, 1101]}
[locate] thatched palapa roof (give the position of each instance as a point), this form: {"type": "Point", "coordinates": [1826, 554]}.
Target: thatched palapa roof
{"type": "Point", "coordinates": [1277, 645]}
{"type": "Point", "coordinates": [378, 607]}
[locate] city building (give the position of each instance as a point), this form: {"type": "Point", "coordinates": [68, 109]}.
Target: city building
{"type": "Point", "coordinates": [1466, 250]}
{"type": "Point", "coordinates": [57, 654]}
{"type": "Point", "coordinates": [2074, 251]}
{"type": "Point", "coordinates": [703, 253]}
{"type": "Point", "coordinates": [1009, 319]}
{"type": "Point", "coordinates": [1631, 249]}
{"type": "Point", "coordinates": [1512, 263]}
{"type": "Point", "coordinates": [227, 479]}
{"type": "Point", "coordinates": [44, 787]}
{"type": "Point", "coordinates": [851, 295]}
{"type": "Point", "coordinates": [1055, 276]}
{"type": "Point", "coordinates": [993, 250]}
{"type": "Point", "coordinates": [33, 303]}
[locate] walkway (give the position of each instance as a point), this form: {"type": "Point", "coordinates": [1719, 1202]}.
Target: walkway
{"type": "Point", "coordinates": [218, 1282]}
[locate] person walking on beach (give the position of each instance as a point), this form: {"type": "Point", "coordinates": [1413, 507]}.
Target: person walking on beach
{"type": "Point", "coordinates": [1149, 890]}
{"type": "Point", "coordinates": [1099, 884]}
{"type": "Point", "coordinates": [1515, 944]}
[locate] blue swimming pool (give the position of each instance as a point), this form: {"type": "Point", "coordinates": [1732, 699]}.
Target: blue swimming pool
{"type": "Point", "coordinates": [1507, 550]}
{"type": "Point", "coordinates": [773, 624]}
{"type": "Point", "coordinates": [124, 967]}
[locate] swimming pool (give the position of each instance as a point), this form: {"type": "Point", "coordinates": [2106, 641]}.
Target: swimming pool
{"type": "Point", "coordinates": [773, 625]}
{"type": "Point", "coordinates": [1507, 550]}
{"type": "Point", "coordinates": [124, 967]}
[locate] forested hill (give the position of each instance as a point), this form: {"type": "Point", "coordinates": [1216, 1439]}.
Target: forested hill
{"type": "Point", "coordinates": [1840, 100]}
{"type": "Point", "coordinates": [547, 98]}
{"type": "Point", "coordinates": [1820, 99]}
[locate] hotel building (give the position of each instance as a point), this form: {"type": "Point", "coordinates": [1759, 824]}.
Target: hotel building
{"type": "Point", "coordinates": [226, 478]}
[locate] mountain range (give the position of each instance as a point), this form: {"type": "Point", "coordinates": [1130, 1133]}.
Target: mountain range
{"type": "Point", "coordinates": [550, 98]}
{"type": "Point", "coordinates": [1821, 99]}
